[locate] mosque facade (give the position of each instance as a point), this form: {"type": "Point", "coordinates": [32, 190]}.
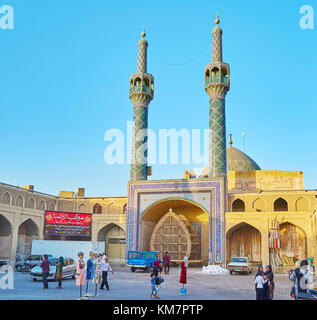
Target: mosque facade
{"type": "Point", "coordinates": [233, 208]}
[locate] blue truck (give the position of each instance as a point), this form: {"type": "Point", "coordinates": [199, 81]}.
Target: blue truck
{"type": "Point", "coordinates": [142, 260]}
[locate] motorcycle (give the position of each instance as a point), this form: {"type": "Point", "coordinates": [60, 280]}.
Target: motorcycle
{"type": "Point", "coordinates": [311, 294]}
{"type": "Point", "coordinates": [25, 267]}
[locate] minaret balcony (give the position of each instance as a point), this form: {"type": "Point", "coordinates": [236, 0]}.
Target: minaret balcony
{"type": "Point", "coordinates": [141, 83]}
{"type": "Point", "coordinates": [216, 80]}
{"type": "Point", "coordinates": [141, 89]}
{"type": "Point", "coordinates": [217, 74]}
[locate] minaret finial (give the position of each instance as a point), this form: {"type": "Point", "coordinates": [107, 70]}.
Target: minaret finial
{"type": "Point", "coordinates": [230, 140]}
{"type": "Point", "coordinates": [143, 34]}
{"type": "Point", "coordinates": [217, 21]}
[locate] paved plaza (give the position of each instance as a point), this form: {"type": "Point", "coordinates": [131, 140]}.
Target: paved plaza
{"type": "Point", "coordinates": [125, 285]}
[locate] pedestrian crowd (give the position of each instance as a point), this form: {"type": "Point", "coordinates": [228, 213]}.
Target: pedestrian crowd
{"type": "Point", "coordinates": [96, 270]}
{"type": "Point", "coordinates": [302, 277]}
{"type": "Point", "coordinates": [97, 267]}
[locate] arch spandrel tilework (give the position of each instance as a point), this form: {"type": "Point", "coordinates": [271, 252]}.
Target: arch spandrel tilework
{"type": "Point", "coordinates": [208, 194]}
{"type": "Point", "coordinates": [203, 199]}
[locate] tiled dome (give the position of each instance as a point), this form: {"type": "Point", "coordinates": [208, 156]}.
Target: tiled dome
{"type": "Point", "coordinates": [236, 161]}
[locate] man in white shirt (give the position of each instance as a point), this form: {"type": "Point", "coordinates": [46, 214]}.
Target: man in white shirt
{"type": "Point", "coordinates": [105, 267]}
{"type": "Point", "coordinates": [259, 282]}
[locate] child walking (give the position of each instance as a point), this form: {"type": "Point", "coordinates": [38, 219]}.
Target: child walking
{"type": "Point", "coordinates": [153, 286]}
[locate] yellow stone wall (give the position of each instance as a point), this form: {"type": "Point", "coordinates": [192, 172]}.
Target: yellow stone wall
{"type": "Point", "coordinates": [19, 205]}
{"type": "Point", "coordinates": [110, 205]}
{"type": "Point", "coordinates": [300, 206]}
{"type": "Point", "coordinates": [256, 180]}
{"type": "Point", "coordinates": [257, 189]}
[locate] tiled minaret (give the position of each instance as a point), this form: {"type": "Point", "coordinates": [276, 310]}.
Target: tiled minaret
{"type": "Point", "coordinates": [217, 84]}
{"type": "Point", "coordinates": [141, 93]}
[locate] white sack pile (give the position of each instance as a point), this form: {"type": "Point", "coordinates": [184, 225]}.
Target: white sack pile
{"type": "Point", "coordinates": [214, 270]}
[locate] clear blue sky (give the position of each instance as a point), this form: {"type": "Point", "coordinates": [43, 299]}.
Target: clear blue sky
{"type": "Point", "coordinates": [65, 73]}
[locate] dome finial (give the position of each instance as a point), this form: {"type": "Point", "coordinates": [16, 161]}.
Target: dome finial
{"type": "Point", "coordinates": [230, 140]}
{"type": "Point", "coordinates": [217, 21]}
{"type": "Point", "coordinates": [143, 33]}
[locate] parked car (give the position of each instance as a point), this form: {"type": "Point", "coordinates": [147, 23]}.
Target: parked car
{"type": "Point", "coordinates": [141, 260]}
{"type": "Point", "coordinates": [69, 270]}
{"type": "Point", "coordinates": [29, 262]}
{"type": "Point", "coordinates": [240, 265]}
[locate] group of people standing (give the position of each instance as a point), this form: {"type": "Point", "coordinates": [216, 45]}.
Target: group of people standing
{"type": "Point", "coordinates": [46, 265]}
{"type": "Point", "coordinates": [301, 276]}
{"type": "Point", "coordinates": [96, 270]}
{"type": "Point", "coordinates": [264, 283]}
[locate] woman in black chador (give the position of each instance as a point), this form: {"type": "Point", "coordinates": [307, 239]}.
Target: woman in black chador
{"type": "Point", "coordinates": [269, 286]}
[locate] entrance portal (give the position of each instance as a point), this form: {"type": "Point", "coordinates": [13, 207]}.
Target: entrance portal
{"type": "Point", "coordinates": [175, 234]}
{"type": "Point", "coordinates": [293, 243]}
{"type": "Point", "coordinates": [114, 238]}
{"type": "Point", "coordinates": [177, 226]}
{"type": "Point", "coordinates": [244, 240]}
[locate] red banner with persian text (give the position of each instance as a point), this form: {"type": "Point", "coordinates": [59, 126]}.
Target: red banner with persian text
{"type": "Point", "coordinates": [67, 223]}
